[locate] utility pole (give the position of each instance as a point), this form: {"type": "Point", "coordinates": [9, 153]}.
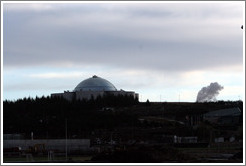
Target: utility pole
{"type": "Point", "coordinates": [66, 136]}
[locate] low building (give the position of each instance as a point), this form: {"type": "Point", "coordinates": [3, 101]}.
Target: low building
{"type": "Point", "coordinates": [13, 136]}
{"type": "Point", "coordinates": [50, 144]}
{"type": "Point", "coordinates": [184, 139]}
{"type": "Point", "coordinates": [230, 116]}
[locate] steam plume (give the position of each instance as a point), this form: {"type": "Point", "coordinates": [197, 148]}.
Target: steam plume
{"type": "Point", "coordinates": [209, 93]}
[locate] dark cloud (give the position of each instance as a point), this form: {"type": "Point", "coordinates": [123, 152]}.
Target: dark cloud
{"type": "Point", "coordinates": [155, 37]}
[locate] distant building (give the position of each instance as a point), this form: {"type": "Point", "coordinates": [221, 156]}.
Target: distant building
{"type": "Point", "coordinates": [50, 144]}
{"type": "Point", "coordinates": [13, 136]}
{"type": "Point", "coordinates": [93, 87]}
{"type": "Point", "coordinates": [230, 116]}
{"type": "Point", "coordinates": [184, 139]}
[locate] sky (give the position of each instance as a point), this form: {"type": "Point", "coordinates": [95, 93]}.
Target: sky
{"type": "Point", "coordinates": [165, 51]}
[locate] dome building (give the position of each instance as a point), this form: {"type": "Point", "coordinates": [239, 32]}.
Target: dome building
{"type": "Point", "coordinates": [94, 86]}
{"type": "Point", "coordinates": [95, 83]}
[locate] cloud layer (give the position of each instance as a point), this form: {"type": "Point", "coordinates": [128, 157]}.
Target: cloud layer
{"type": "Point", "coordinates": [155, 36]}
{"type": "Point", "coordinates": [147, 47]}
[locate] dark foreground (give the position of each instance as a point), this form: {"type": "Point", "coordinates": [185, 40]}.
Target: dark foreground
{"type": "Point", "coordinates": [129, 132]}
{"type": "Point", "coordinates": [217, 153]}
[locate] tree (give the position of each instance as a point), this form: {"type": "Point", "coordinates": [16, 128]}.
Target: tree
{"type": "Point", "coordinates": [147, 103]}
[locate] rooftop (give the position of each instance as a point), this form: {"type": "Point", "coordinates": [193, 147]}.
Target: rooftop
{"type": "Point", "coordinates": [95, 83]}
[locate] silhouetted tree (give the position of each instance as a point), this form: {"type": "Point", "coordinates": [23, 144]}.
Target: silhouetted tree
{"type": "Point", "coordinates": [147, 103]}
{"type": "Point", "coordinates": [47, 115]}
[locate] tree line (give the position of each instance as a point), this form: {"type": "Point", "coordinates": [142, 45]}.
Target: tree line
{"type": "Point", "coordinates": [46, 116]}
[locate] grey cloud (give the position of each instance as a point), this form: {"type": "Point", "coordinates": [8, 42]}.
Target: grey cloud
{"type": "Point", "coordinates": [156, 40]}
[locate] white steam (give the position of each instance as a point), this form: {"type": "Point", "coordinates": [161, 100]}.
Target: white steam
{"type": "Point", "coordinates": [209, 93]}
